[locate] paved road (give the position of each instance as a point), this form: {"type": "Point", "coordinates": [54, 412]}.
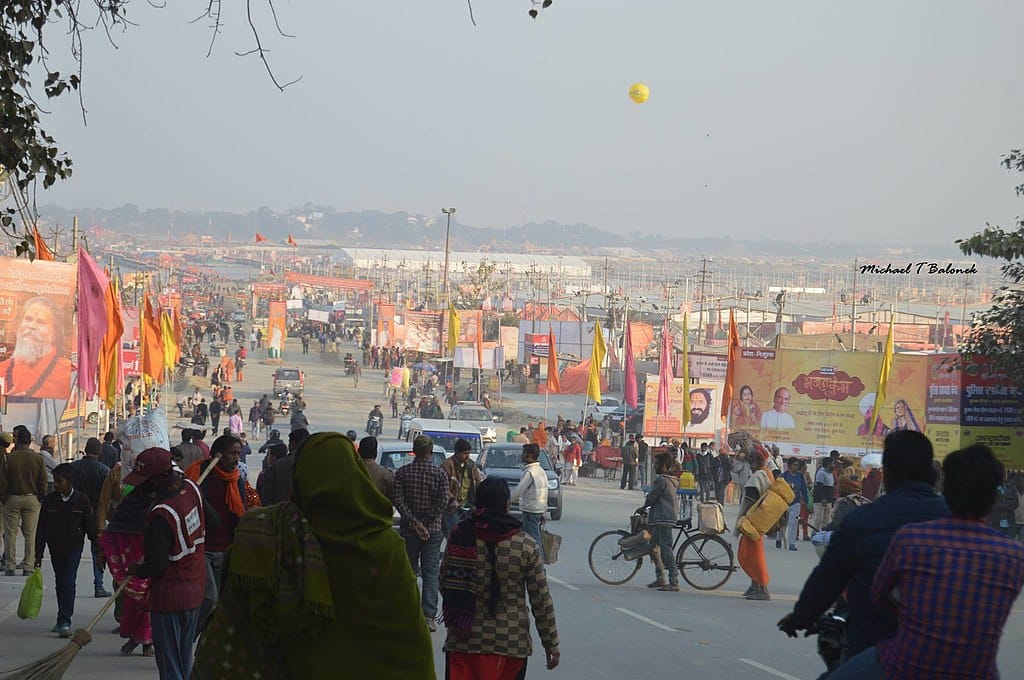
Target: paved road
{"type": "Point", "coordinates": [606, 631]}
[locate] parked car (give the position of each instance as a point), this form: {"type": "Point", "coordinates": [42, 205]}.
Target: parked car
{"type": "Point", "coordinates": [291, 379]}
{"type": "Point", "coordinates": [475, 414]}
{"type": "Point", "coordinates": [606, 406]}
{"type": "Point", "coordinates": [634, 417]}
{"type": "Point", "coordinates": [504, 461]}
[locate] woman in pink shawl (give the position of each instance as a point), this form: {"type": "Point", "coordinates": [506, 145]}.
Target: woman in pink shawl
{"type": "Point", "coordinates": [122, 544]}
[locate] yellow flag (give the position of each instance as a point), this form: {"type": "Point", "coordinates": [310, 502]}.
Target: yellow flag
{"type": "Point", "coordinates": [686, 374]}
{"type": "Point", "coordinates": [883, 377]}
{"type": "Point", "coordinates": [597, 355]}
{"type": "Point", "coordinates": [170, 346]}
{"type": "Point", "coordinates": [454, 325]}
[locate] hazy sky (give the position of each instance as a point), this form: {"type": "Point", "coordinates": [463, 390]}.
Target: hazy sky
{"type": "Point", "coordinates": [870, 121]}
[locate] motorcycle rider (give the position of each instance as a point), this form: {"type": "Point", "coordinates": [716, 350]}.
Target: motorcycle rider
{"type": "Point", "coordinates": [856, 547]}
{"type": "Point", "coordinates": [273, 438]}
{"type": "Point", "coordinates": [377, 424]}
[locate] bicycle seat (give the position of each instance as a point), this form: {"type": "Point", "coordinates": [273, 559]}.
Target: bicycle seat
{"type": "Point", "coordinates": [684, 524]}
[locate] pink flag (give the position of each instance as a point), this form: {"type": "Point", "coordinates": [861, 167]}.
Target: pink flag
{"type": "Point", "coordinates": [92, 321]}
{"type": "Point", "coordinates": [665, 371]}
{"type": "Point", "coordinates": [630, 388]}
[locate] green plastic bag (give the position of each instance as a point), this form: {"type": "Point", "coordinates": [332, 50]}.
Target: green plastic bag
{"type": "Point", "coordinates": [31, 596]}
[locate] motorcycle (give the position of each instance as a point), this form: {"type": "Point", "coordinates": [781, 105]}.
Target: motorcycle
{"type": "Point", "coordinates": [403, 426]}
{"type": "Point", "coordinates": [284, 408]}
{"type": "Point", "coordinates": [830, 626]}
{"type": "Point", "coordinates": [374, 426]}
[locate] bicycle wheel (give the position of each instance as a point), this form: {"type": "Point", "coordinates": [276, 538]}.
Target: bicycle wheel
{"type": "Point", "coordinates": [705, 561]}
{"type": "Point", "coordinates": [606, 560]}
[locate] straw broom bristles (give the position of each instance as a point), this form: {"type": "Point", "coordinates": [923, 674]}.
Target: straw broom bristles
{"type": "Point", "coordinates": [54, 666]}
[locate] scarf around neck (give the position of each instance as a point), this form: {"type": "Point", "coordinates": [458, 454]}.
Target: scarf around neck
{"type": "Point", "coordinates": [461, 578]}
{"type": "Point", "coordinates": [233, 498]}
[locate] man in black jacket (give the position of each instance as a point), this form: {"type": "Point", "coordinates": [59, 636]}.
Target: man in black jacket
{"type": "Point", "coordinates": [215, 410]}
{"type": "Point", "coordinates": [277, 479]}
{"type": "Point", "coordinates": [857, 546]}
{"type": "Point", "coordinates": [90, 475]}
{"type": "Point", "coordinates": [110, 455]}
{"type": "Point", "coordinates": [64, 521]}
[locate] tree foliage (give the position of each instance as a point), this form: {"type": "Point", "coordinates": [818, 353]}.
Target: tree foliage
{"type": "Point", "coordinates": [998, 332]}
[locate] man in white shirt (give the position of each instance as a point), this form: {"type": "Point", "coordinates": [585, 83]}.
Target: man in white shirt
{"type": "Point", "coordinates": [532, 493]}
{"type": "Point", "coordinates": [776, 417]}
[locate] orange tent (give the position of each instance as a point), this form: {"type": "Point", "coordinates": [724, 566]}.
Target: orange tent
{"type": "Point", "coordinates": [573, 380]}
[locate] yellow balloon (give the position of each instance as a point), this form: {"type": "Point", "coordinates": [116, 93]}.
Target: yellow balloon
{"type": "Point", "coordinates": [639, 92]}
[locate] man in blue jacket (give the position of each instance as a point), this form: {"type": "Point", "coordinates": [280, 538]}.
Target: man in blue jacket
{"type": "Point", "coordinates": [857, 546]}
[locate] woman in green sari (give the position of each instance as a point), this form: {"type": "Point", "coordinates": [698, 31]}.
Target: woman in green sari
{"type": "Point", "coordinates": [319, 587]}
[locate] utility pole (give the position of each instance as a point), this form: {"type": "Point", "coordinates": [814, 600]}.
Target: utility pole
{"type": "Point", "coordinates": [704, 274]}
{"type": "Point", "coordinates": [853, 315]}
{"type": "Point", "coordinates": [963, 306]}
{"type": "Point", "coordinates": [447, 234]}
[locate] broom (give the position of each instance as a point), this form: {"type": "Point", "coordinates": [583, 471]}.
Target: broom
{"type": "Point", "coordinates": [54, 666]}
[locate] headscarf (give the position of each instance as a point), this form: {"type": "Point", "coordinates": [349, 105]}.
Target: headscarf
{"type": "Point", "coordinates": [353, 522]}
{"type": "Point", "coordinates": [368, 604]}
{"type": "Point", "coordinates": [490, 524]}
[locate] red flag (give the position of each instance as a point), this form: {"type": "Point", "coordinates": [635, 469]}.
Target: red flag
{"type": "Point", "coordinates": [630, 388]}
{"type": "Point", "coordinates": [730, 369]}
{"type": "Point", "coordinates": [665, 371]}
{"type": "Point", "coordinates": [554, 385]}
{"type": "Point", "coordinates": [92, 321]}
{"type": "Point", "coordinates": [292, 242]}
{"type": "Point", "coordinates": [43, 251]}
{"type": "Point", "coordinates": [260, 238]}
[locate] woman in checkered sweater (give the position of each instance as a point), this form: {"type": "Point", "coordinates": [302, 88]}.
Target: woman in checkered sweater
{"type": "Point", "coordinates": [489, 569]}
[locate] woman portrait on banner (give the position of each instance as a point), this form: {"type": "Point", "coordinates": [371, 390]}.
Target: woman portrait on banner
{"type": "Point", "coordinates": [746, 413]}
{"type": "Point", "coordinates": [903, 417]}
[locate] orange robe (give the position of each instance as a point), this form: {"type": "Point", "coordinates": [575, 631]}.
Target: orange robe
{"type": "Point", "coordinates": [21, 377]}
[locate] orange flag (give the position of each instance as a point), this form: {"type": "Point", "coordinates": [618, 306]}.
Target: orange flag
{"type": "Point", "coordinates": [730, 368]}
{"type": "Point", "coordinates": [151, 344]}
{"type": "Point", "coordinates": [260, 238]}
{"type": "Point", "coordinates": [43, 251]}
{"type": "Point", "coordinates": [292, 242]}
{"type": "Point", "coordinates": [110, 353]}
{"type": "Point", "coordinates": [178, 335]}
{"type": "Point", "coordinates": [554, 385]}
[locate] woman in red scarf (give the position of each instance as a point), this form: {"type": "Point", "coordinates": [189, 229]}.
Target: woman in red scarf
{"type": "Point", "coordinates": [229, 496]}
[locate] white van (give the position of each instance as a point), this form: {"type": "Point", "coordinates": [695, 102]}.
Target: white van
{"type": "Point", "coordinates": [446, 432]}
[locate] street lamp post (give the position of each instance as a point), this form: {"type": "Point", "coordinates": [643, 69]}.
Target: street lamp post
{"type": "Point", "coordinates": [447, 233]}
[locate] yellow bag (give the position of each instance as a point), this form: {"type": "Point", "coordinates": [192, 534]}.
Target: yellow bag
{"type": "Point", "coordinates": [765, 513]}
{"type": "Point", "coordinates": [687, 481]}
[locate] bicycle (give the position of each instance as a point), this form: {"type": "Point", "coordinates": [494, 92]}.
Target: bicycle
{"type": "Point", "coordinates": [705, 560]}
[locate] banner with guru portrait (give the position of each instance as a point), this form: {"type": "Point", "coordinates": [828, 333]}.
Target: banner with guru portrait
{"type": "Point", "coordinates": [810, 402]}
{"type": "Point", "coordinates": [37, 340]}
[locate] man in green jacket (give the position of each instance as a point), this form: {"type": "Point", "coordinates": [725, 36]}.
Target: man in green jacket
{"type": "Point", "coordinates": [22, 486]}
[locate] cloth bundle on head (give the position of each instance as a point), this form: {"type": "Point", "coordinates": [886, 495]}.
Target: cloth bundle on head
{"type": "Point", "coordinates": [320, 584]}
{"type": "Point", "coordinates": [139, 433]}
